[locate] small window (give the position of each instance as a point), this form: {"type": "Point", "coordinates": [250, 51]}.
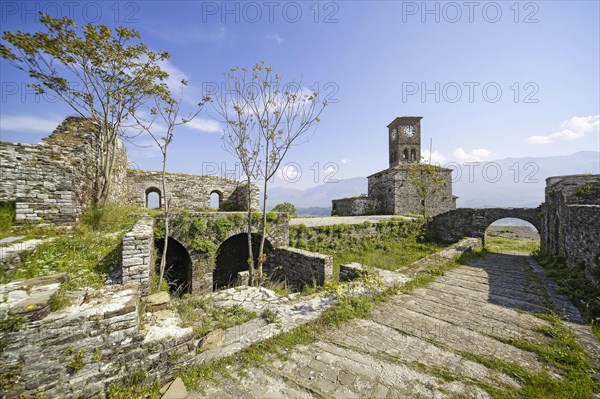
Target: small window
{"type": "Point", "coordinates": [153, 198]}
{"type": "Point", "coordinates": [215, 200]}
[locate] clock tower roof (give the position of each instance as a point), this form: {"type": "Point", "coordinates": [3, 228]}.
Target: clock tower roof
{"type": "Point", "coordinates": [405, 119]}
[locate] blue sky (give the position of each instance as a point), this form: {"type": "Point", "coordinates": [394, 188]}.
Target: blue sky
{"type": "Point", "coordinates": [368, 58]}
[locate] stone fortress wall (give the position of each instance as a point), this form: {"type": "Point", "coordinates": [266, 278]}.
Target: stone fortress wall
{"type": "Point", "coordinates": [53, 181]}
{"type": "Point", "coordinates": [571, 221]}
{"type": "Point", "coordinates": [191, 192]}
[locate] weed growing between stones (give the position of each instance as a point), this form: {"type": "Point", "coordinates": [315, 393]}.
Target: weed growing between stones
{"type": "Point", "coordinates": [562, 353]}
{"type": "Point", "coordinates": [76, 362]}
{"type": "Point", "coordinates": [136, 385]}
{"type": "Point", "coordinates": [204, 316]}
{"type": "Point", "coordinates": [270, 316]}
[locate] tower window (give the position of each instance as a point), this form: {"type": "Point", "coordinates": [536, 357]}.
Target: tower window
{"type": "Point", "coordinates": [406, 154]}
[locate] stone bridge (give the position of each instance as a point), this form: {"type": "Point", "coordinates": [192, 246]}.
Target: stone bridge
{"type": "Point", "coordinates": [207, 249]}
{"type": "Point", "coordinates": [453, 225]}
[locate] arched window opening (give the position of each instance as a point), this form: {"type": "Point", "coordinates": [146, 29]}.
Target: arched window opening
{"type": "Point", "coordinates": [153, 198]}
{"type": "Point", "coordinates": [406, 154]}
{"type": "Point", "coordinates": [215, 200]}
{"type": "Point", "coordinates": [413, 155]}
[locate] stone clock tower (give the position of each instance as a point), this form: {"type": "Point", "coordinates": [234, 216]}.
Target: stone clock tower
{"type": "Point", "coordinates": [391, 192]}
{"type": "Point", "coordinates": [405, 140]}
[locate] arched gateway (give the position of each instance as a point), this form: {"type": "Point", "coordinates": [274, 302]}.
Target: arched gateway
{"type": "Point", "coordinates": [453, 225]}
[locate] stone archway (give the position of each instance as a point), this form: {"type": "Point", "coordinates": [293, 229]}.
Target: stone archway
{"type": "Point", "coordinates": [512, 229]}
{"type": "Point", "coordinates": [178, 269]}
{"type": "Point", "coordinates": [455, 224]}
{"type": "Point", "coordinates": [149, 194]}
{"type": "Point", "coordinates": [232, 258]}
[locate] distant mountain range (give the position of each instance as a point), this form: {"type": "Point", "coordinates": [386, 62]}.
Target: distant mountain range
{"type": "Point", "coordinates": [510, 182]}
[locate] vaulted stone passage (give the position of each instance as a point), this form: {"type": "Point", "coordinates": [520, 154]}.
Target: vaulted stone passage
{"type": "Point", "coordinates": [232, 258]}
{"type": "Point", "coordinates": [178, 269]}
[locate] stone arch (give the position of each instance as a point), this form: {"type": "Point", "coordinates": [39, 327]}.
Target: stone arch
{"type": "Point", "coordinates": [473, 222]}
{"type": "Point", "coordinates": [152, 190]}
{"type": "Point", "coordinates": [178, 269]}
{"type": "Point", "coordinates": [232, 258]}
{"type": "Point", "coordinates": [485, 233]}
{"type": "Point", "coordinates": [406, 154]}
{"type": "Point", "coordinates": [216, 199]}
{"type": "Point", "coordinates": [413, 155]}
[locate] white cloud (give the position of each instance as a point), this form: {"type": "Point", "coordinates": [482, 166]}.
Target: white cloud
{"type": "Point", "coordinates": [204, 125]}
{"type": "Point", "coordinates": [176, 75]}
{"type": "Point", "coordinates": [275, 38]}
{"type": "Point", "coordinates": [571, 129]}
{"type": "Point", "coordinates": [345, 160]}
{"type": "Point", "coordinates": [25, 123]}
{"type": "Point", "coordinates": [436, 157]}
{"type": "Point", "coordinates": [476, 154]}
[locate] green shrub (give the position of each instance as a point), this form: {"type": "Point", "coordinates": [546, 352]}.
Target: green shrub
{"type": "Point", "coordinates": [286, 207]}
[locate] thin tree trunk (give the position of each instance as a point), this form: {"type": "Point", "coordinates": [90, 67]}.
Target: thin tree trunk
{"type": "Point", "coordinates": [261, 259]}
{"type": "Point", "coordinates": [250, 250]}
{"type": "Point", "coordinates": [163, 259]}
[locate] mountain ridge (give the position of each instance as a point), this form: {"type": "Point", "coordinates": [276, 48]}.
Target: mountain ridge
{"type": "Point", "coordinates": [507, 182]}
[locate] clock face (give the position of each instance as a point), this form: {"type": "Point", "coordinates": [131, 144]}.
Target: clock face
{"type": "Point", "coordinates": [394, 134]}
{"type": "Point", "coordinates": [409, 130]}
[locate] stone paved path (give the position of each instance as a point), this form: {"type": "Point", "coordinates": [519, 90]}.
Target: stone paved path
{"type": "Point", "coordinates": [416, 345]}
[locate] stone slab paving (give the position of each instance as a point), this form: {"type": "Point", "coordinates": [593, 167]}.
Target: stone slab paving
{"type": "Point", "coordinates": [415, 344]}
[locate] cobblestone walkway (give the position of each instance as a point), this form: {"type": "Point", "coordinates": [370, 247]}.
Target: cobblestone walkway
{"type": "Point", "coordinates": [420, 344]}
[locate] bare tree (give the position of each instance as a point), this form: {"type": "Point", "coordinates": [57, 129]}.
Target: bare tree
{"type": "Point", "coordinates": [277, 115]}
{"type": "Point", "coordinates": [241, 139]}
{"type": "Point", "coordinates": [166, 110]}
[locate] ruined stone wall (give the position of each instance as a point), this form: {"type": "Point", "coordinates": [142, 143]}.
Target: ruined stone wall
{"type": "Point", "coordinates": [138, 245]}
{"type": "Point", "coordinates": [353, 206]}
{"type": "Point", "coordinates": [83, 349]}
{"type": "Point", "coordinates": [191, 192]}
{"type": "Point", "coordinates": [571, 222]}
{"type": "Point", "coordinates": [53, 181]}
{"type": "Point", "coordinates": [298, 267]}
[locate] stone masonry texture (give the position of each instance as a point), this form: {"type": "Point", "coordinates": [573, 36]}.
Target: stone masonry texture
{"type": "Point", "coordinates": [53, 181]}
